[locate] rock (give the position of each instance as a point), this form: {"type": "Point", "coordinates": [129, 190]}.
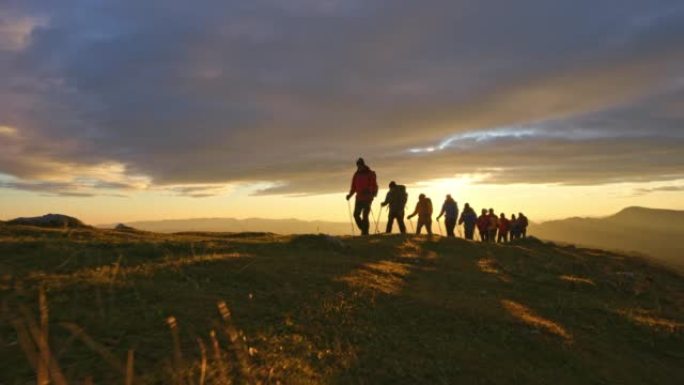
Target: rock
{"type": "Point", "coordinates": [50, 220]}
{"type": "Point", "coordinates": [122, 227]}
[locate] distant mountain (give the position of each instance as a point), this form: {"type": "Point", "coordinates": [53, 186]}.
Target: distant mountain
{"type": "Point", "coordinates": [231, 225]}
{"type": "Point", "coordinates": [49, 220]}
{"type": "Point", "coordinates": [653, 232]}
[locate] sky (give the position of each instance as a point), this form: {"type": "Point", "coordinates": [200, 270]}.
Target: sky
{"type": "Point", "coordinates": [115, 111]}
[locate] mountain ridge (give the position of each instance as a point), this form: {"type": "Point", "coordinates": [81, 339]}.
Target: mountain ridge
{"type": "Point", "coordinates": [650, 232]}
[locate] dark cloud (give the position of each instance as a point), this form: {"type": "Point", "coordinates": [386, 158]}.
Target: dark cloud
{"type": "Point", "coordinates": [291, 92]}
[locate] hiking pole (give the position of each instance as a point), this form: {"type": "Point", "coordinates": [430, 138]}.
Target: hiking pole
{"type": "Point", "coordinates": [413, 229]}
{"type": "Point", "coordinates": [377, 222]}
{"type": "Point", "coordinates": [439, 225]}
{"type": "Point", "coordinates": [351, 218]}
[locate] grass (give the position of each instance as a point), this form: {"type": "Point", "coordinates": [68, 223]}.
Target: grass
{"type": "Point", "coordinates": [95, 306]}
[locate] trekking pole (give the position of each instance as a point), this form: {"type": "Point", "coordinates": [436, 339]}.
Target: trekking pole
{"type": "Point", "coordinates": [377, 222]}
{"type": "Point", "coordinates": [439, 225]}
{"type": "Point", "coordinates": [413, 229]}
{"type": "Point", "coordinates": [351, 218]}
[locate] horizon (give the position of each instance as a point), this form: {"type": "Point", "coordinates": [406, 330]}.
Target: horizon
{"type": "Point", "coordinates": [133, 112]}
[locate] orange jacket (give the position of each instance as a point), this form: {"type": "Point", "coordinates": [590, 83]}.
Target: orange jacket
{"type": "Point", "coordinates": [423, 208]}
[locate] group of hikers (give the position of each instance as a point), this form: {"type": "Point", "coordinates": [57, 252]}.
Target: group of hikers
{"type": "Point", "coordinates": [490, 227]}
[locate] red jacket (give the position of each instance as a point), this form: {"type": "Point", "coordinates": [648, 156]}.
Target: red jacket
{"type": "Point", "coordinates": [483, 222]}
{"type": "Point", "coordinates": [364, 184]}
{"type": "Point", "coordinates": [504, 225]}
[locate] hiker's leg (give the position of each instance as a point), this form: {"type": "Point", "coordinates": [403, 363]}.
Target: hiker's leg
{"type": "Point", "coordinates": [358, 209]}
{"type": "Point", "coordinates": [366, 221]}
{"type": "Point", "coordinates": [469, 232]}
{"type": "Point", "coordinates": [400, 222]}
{"type": "Point", "coordinates": [390, 222]}
{"type": "Point", "coordinates": [450, 225]}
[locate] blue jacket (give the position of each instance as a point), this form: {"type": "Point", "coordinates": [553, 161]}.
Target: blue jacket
{"type": "Point", "coordinates": [469, 218]}
{"type": "Point", "coordinates": [449, 210]}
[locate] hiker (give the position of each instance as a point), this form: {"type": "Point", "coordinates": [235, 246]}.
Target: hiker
{"type": "Point", "coordinates": [482, 225]}
{"type": "Point", "coordinates": [522, 225]}
{"type": "Point", "coordinates": [396, 199]}
{"type": "Point", "coordinates": [493, 226]}
{"type": "Point", "coordinates": [365, 186]}
{"type": "Point", "coordinates": [504, 224]}
{"type": "Point", "coordinates": [468, 220]}
{"type": "Point", "coordinates": [513, 227]}
{"type": "Point", "coordinates": [424, 212]}
{"type": "Point", "coordinates": [450, 212]}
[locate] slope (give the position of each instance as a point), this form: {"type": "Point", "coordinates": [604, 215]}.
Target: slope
{"type": "Point", "coordinates": [260, 308]}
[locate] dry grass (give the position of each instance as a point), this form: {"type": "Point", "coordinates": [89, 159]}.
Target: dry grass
{"type": "Point", "coordinates": [204, 309]}
{"type": "Point", "coordinates": [646, 318]}
{"type": "Point", "coordinates": [532, 319]}
{"type": "Point", "coordinates": [576, 279]}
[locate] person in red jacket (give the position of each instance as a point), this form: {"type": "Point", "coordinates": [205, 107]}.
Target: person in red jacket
{"type": "Point", "coordinates": [493, 226]}
{"type": "Point", "coordinates": [504, 226]}
{"type": "Point", "coordinates": [482, 225]}
{"type": "Point", "coordinates": [364, 184]}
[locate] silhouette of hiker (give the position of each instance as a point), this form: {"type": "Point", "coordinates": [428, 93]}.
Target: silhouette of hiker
{"type": "Point", "coordinates": [483, 225]}
{"type": "Point", "coordinates": [450, 212]}
{"type": "Point", "coordinates": [468, 220]}
{"type": "Point", "coordinates": [514, 225]}
{"type": "Point", "coordinates": [365, 186]}
{"type": "Point", "coordinates": [493, 226]}
{"type": "Point", "coordinates": [504, 225]}
{"type": "Point", "coordinates": [396, 199]}
{"type": "Point", "coordinates": [522, 225]}
{"type": "Point", "coordinates": [424, 212]}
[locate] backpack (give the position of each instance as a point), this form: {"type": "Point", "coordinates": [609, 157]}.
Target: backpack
{"type": "Point", "coordinates": [403, 195]}
{"type": "Point", "coordinates": [365, 184]}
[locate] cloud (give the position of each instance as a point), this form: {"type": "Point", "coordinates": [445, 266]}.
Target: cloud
{"type": "Point", "coordinates": [670, 188]}
{"type": "Point", "coordinates": [65, 189]}
{"type": "Point", "coordinates": [180, 94]}
{"type": "Point", "coordinates": [199, 191]}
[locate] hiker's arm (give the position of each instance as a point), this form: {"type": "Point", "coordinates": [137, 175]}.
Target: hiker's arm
{"type": "Point", "coordinates": [386, 202]}
{"type": "Point", "coordinates": [352, 189]}
{"type": "Point", "coordinates": [442, 212]}
{"type": "Point", "coordinates": [414, 212]}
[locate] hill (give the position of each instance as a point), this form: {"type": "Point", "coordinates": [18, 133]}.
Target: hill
{"type": "Point", "coordinates": [49, 220]}
{"type": "Point", "coordinates": [110, 307]}
{"type": "Point", "coordinates": [653, 232]}
{"type": "Point", "coordinates": [232, 225]}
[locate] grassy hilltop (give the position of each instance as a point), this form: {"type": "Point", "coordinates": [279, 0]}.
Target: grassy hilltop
{"type": "Point", "coordinates": [107, 307]}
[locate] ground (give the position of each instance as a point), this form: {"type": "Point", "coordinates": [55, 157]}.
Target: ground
{"type": "Point", "coordinates": [96, 306]}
